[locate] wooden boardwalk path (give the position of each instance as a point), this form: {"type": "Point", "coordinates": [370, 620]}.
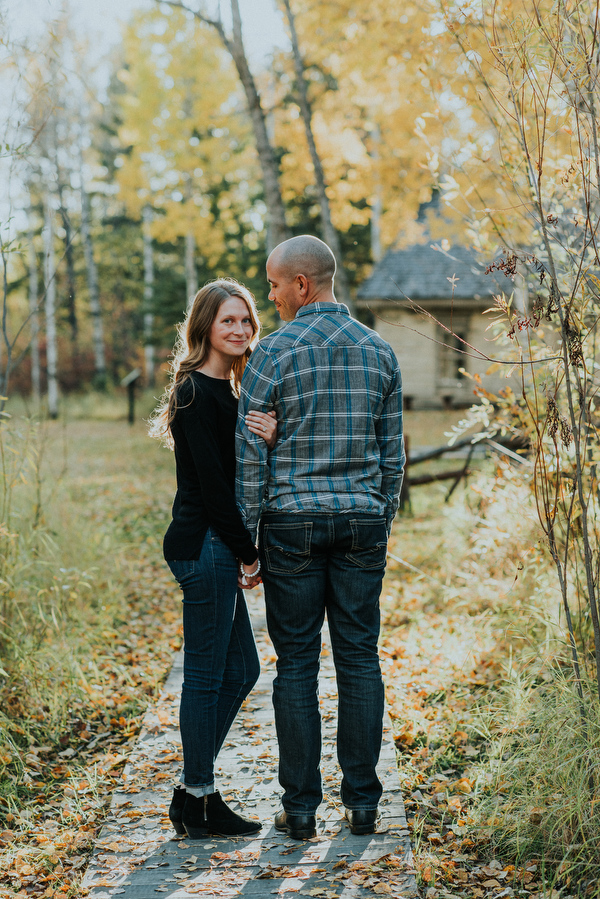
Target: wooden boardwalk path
{"type": "Point", "coordinates": [137, 855]}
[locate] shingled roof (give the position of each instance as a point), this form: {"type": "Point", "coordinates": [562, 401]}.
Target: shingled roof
{"type": "Point", "coordinates": [421, 272]}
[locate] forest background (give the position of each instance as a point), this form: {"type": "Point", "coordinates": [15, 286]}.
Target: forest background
{"type": "Point", "coordinates": [193, 165]}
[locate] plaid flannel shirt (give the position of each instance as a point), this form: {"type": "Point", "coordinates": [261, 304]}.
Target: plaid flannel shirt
{"type": "Point", "coordinates": [336, 388]}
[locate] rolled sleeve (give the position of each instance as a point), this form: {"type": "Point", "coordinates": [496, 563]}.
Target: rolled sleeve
{"type": "Point", "coordinates": [390, 439]}
{"type": "Point", "coordinates": [252, 470]}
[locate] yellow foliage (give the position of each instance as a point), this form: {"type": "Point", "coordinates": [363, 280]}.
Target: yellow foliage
{"type": "Point", "coordinates": [398, 90]}
{"type": "Point", "coordinates": [187, 150]}
{"type": "Point", "coordinates": [378, 119]}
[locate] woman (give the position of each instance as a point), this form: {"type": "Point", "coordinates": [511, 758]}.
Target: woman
{"type": "Point", "coordinates": [207, 546]}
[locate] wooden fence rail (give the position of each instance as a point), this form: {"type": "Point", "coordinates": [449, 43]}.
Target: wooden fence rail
{"type": "Point", "coordinates": [504, 446]}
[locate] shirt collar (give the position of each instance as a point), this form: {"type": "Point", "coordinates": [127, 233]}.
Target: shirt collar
{"type": "Point", "coordinates": [319, 308]}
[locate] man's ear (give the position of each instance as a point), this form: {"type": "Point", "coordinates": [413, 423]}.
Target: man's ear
{"type": "Point", "coordinates": [302, 284]}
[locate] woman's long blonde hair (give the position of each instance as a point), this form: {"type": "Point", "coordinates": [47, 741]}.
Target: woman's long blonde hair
{"type": "Point", "coordinates": [192, 348]}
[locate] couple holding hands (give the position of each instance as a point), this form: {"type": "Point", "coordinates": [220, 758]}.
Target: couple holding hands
{"type": "Point", "coordinates": [294, 445]}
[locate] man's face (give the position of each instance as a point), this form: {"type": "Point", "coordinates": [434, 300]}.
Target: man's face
{"type": "Point", "coordinates": [284, 292]}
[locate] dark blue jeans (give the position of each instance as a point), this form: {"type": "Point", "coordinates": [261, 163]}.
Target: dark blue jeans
{"type": "Point", "coordinates": [312, 564]}
{"type": "Point", "coordinates": [221, 663]}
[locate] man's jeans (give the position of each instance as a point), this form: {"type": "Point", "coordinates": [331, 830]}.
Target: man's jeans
{"type": "Point", "coordinates": [220, 659]}
{"type": "Point", "coordinates": [314, 562]}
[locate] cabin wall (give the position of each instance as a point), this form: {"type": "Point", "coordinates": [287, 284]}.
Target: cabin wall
{"type": "Point", "coordinates": [430, 371]}
{"type": "Point", "coordinates": [416, 353]}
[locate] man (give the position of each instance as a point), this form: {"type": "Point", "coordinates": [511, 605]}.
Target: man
{"type": "Point", "coordinates": [326, 496]}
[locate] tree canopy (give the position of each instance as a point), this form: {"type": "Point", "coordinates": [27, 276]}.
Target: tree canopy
{"type": "Point", "coordinates": [380, 97]}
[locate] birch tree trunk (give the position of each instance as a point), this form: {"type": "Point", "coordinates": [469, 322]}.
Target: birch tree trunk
{"type": "Point", "coordinates": [62, 183]}
{"type": "Point", "coordinates": [377, 206]}
{"type": "Point", "coordinates": [234, 44]}
{"type": "Point", "coordinates": [4, 341]}
{"type": "Point", "coordinates": [330, 235]}
{"type": "Point", "coordinates": [148, 297]}
{"type": "Point", "coordinates": [94, 293]}
{"type": "Point", "coordinates": [191, 276]}
{"type": "Point", "coordinates": [70, 264]}
{"type": "Point", "coordinates": [50, 308]}
{"type": "Point", "coordinates": [34, 318]}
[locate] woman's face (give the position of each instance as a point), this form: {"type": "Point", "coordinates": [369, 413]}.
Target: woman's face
{"type": "Point", "coordinates": [231, 331]}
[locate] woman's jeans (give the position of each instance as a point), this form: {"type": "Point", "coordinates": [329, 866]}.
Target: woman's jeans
{"type": "Point", "coordinates": [313, 563]}
{"type": "Point", "coordinates": [220, 659]}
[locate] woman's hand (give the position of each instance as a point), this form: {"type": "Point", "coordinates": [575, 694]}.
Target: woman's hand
{"type": "Point", "coordinates": [263, 424]}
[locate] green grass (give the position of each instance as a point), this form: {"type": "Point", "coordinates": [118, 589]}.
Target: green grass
{"type": "Point", "coordinates": [90, 405]}
{"type": "Point", "coordinates": [540, 786]}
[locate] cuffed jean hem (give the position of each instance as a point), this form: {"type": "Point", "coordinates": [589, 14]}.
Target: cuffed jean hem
{"type": "Point", "coordinates": [202, 790]}
{"type": "Point", "coordinates": [299, 811]}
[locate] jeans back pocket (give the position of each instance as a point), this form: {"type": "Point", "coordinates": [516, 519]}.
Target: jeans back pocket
{"type": "Point", "coordinates": [287, 547]}
{"type": "Point", "coordinates": [369, 542]}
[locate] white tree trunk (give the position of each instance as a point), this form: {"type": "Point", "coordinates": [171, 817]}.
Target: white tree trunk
{"type": "Point", "coordinates": [377, 205]}
{"type": "Point", "coordinates": [50, 307]}
{"type": "Point", "coordinates": [94, 293]}
{"type": "Point", "coordinates": [191, 276]}
{"type": "Point", "coordinates": [148, 297]}
{"type": "Point", "coordinates": [34, 317]}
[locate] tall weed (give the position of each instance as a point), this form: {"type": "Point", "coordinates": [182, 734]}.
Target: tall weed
{"type": "Point", "coordinates": [82, 509]}
{"type": "Point", "coordinates": [534, 797]}
{"type": "Point", "coordinates": [478, 668]}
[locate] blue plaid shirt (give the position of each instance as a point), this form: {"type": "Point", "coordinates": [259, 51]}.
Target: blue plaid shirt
{"type": "Point", "coordinates": [336, 388]}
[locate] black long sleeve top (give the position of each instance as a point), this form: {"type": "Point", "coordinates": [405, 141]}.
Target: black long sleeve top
{"type": "Point", "coordinates": [204, 435]}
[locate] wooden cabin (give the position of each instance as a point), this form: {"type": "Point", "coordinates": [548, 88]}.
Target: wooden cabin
{"type": "Point", "coordinates": [451, 285]}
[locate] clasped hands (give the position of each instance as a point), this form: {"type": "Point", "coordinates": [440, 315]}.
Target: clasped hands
{"type": "Point", "coordinates": [248, 575]}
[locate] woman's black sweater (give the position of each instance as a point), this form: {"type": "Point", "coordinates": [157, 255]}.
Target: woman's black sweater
{"type": "Point", "coordinates": [204, 435]}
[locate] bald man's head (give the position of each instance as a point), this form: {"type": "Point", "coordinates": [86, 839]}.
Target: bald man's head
{"type": "Point", "coordinates": [305, 255]}
{"type": "Point", "coordinates": [300, 271]}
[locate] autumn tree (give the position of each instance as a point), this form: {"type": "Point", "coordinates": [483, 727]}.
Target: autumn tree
{"type": "Point", "coordinates": [534, 72]}
{"type": "Point", "coordinates": [17, 141]}
{"type": "Point", "coordinates": [391, 114]}
{"type": "Point", "coordinates": [186, 146]}
{"type": "Point", "coordinates": [57, 107]}
{"type": "Point", "coordinates": [233, 42]}
{"type": "Point", "coordinates": [330, 234]}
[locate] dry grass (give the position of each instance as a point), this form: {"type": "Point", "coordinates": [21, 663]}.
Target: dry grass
{"type": "Point", "coordinates": [90, 618]}
{"type": "Point", "coordinates": [491, 751]}
{"type": "Point", "coordinates": [429, 427]}
{"type": "Point", "coordinates": [472, 647]}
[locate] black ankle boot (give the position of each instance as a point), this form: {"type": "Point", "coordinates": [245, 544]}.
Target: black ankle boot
{"type": "Point", "coordinates": [222, 821]}
{"type": "Point", "coordinates": [176, 809]}
{"type": "Point", "coordinates": [209, 814]}
{"type": "Point", "coordinates": [193, 817]}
